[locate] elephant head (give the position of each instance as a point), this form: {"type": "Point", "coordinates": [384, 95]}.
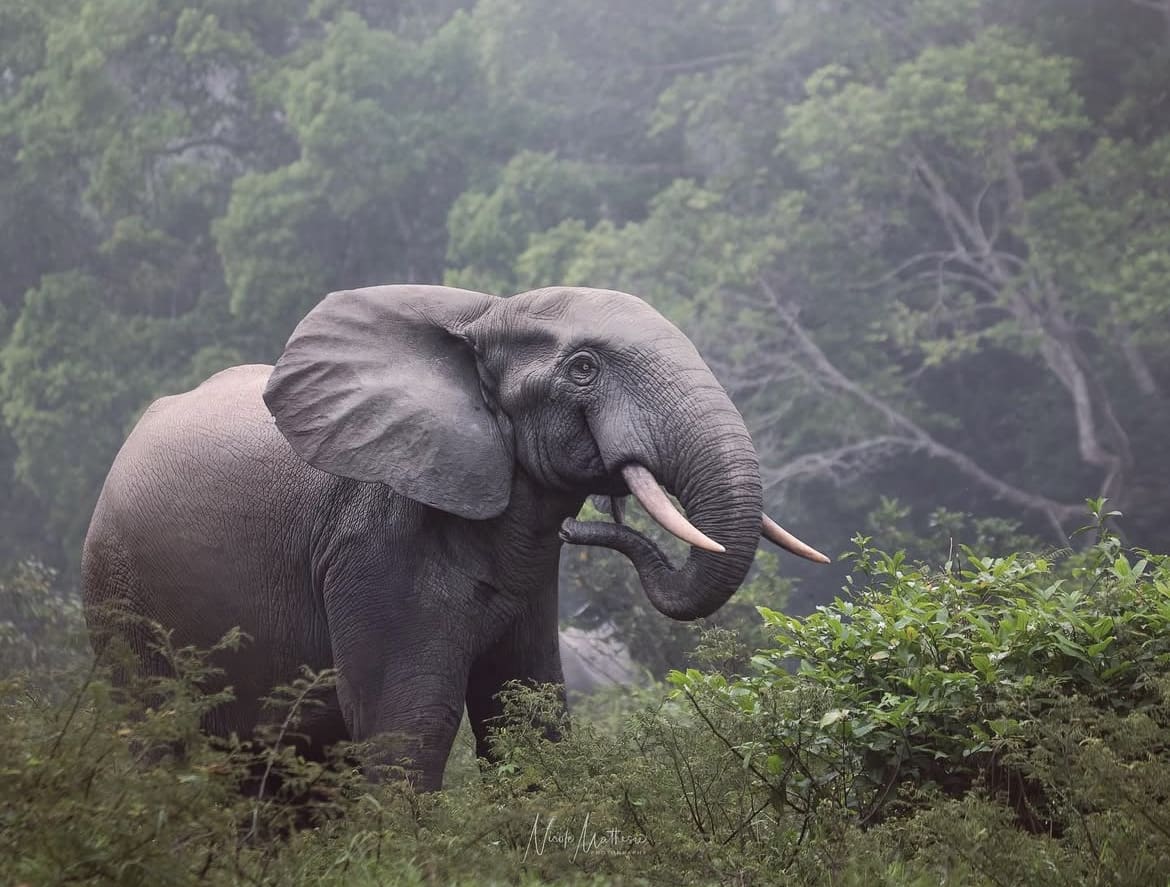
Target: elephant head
{"type": "Point", "coordinates": [445, 394]}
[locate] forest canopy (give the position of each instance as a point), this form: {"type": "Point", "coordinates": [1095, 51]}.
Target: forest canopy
{"type": "Point", "coordinates": [925, 244]}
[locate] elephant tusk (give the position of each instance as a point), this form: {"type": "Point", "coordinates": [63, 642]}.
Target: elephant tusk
{"type": "Point", "coordinates": [773, 532]}
{"type": "Point", "coordinates": [651, 497]}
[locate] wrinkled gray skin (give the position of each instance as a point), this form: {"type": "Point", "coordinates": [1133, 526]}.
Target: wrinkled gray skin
{"type": "Point", "coordinates": [392, 498]}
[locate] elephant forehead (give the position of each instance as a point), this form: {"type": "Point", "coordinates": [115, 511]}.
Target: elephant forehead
{"type": "Point", "coordinates": [567, 316]}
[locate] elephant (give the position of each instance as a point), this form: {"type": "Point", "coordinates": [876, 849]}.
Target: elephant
{"type": "Point", "coordinates": [390, 500]}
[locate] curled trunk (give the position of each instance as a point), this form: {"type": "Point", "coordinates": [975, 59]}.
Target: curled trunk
{"type": "Point", "coordinates": [714, 472]}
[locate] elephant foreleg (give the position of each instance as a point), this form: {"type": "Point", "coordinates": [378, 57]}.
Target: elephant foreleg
{"type": "Point", "coordinates": [406, 726]}
{"type": "Point", "coordinates": [400, 685]}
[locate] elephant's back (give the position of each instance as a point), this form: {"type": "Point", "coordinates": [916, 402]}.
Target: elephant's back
{"type": "Point", "coordinates": [230, 403]}
{"type": "Point", "coordinates": [205, 505]}
{"type": "Point", "coordinates": [216, 447]}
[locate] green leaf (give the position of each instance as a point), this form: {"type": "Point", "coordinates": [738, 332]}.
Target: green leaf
{"type": "Point", "coordinates": [832, 717]}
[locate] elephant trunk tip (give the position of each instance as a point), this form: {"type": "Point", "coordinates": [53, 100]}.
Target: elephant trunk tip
{"type": "Point", "coordinates": [659, 579]}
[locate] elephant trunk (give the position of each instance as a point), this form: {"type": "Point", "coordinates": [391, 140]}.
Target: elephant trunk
{"type": "Point", "coordinates": [716, 476]}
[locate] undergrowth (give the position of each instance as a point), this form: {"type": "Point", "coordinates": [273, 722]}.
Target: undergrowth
{"type": "Point", "coordinates": [994, 721]}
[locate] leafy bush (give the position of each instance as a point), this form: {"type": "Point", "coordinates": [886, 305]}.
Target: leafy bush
{"type": "Point", "coordinates": [1003, 720]}
{"type": "Point", "coordinates": [103, 783]}
{"type": "Point", "coordinates": [1031, 689]}
{"type": "Point", "coordinates": [931, 536]}
{"type": "Point", "coordinates": [41, 627]}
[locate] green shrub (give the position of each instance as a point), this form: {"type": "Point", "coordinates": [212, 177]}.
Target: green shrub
{"type": "Point", "coordinates": [932, 675]}
{"type": "Point", "coordinates": [998, 721]}
{"type": "Point", "coordinates": [41, 626]}
{"type": "Point", "coordinates": [105, 784]}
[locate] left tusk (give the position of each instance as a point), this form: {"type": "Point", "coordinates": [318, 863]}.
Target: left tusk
{"type": "Point", "coordinates": [651, 497]}
{"type": "Point", "coordinates": [773, 532]}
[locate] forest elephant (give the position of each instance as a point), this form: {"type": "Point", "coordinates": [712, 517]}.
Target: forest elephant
{"type": "Point", "coordinates": [391, 498]}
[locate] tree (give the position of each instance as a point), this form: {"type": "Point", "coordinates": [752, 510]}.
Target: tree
{"type": "Point", "coordinates": [389, 131]}
{"type": "Point", "coordinates": [70, 376]}
{"type": "Point", "coordinates": [960, 217]}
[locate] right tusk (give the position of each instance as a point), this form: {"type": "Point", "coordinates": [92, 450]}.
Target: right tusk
{"type": "Point", "coordinates": [651, 497]}
{"type": "Point", "coordinates": [773, 532]}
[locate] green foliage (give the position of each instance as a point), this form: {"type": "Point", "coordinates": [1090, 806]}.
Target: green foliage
{"type": "Point", "coordinates": [999, 721]}
{"type": "Point", "coordinates": [41, 630]}
{"type": "Point", "coordinates": [536, 192]}
{"type": "Point", "coordinates": [97, 791]}
{"type": "Point", "coordinates": [937, 677]}
{"type": "Point", "coordinates": [107, 783]}
{"type": "Point", "coordinates": [416, 114]}
{"type": "Point", "coordinates": [932, 538]}
{"type": "Point", "coordinates": [1002, 722]}
{"type": "Point", "coordinates": [69, 365]}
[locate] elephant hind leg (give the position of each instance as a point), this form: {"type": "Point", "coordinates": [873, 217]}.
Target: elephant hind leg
{"type": "Point", "coordinates": [314, 732]}
{"type": "Point", "coordinates": [301, 803]}
{"type": "Point", "coordinates": [514, 659]}
{"type": "Point", "coordinates": [124, 642]}
{"type": "Point", "coordinates": [123, 639]}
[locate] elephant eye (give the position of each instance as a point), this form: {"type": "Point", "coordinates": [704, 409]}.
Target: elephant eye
{"type": "Point", "coordinates": [583, 369]}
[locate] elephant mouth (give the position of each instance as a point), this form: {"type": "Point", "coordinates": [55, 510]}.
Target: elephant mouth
{"type": "Point", "coordinates": [613, 505]}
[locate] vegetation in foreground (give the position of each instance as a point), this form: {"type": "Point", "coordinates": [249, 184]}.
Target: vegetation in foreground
{"type": "Point", "coordinates": [992, 721]}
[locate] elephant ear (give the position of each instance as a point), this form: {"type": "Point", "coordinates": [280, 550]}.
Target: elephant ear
{"type": "Point", "coordinates": [379, 384]}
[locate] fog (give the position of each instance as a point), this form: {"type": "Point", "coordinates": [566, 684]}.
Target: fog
{"type": "Point", "coordinates": [922, 247]}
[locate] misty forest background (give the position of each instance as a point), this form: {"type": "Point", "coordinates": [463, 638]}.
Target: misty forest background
{"type": "Point", "coordinates": [925, 244]}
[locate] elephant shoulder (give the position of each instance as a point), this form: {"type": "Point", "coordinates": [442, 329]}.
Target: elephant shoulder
{"type": "Point", "coordinates": [248, 375]}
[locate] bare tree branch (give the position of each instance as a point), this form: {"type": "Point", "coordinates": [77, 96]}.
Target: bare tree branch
{"type": "Point", "coordinates": [1037, 304]}
{"type": "Point", "coordinates": [1162, 6]}
{"type": "Point", "coordinates": [221, 143]}
{"type": "Point", "coordinates": [838, 464]}
{"type": "Point", "coordinates": [911, 434]}
{"type": "Point", "coordinates": [949, 210]}
{"type": "Point", "coordinates": [940, 256]}
{"type": "Point", "coordinates": [1142, 375]}
{"type": "Point", "coordinates": [705, 63]}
